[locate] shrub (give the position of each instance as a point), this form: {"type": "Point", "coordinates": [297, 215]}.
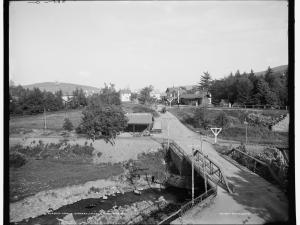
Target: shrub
{"type": "Point", "coordinates": [163, 110]}
{"type": "Point", "coordinates": [222, 120]}
{"type": "Point", "coordinates": [17, 159]}
{"type": "Point", "coordinates": [67, 124]}
{"type": "Point", "coordinates": [200, 118]}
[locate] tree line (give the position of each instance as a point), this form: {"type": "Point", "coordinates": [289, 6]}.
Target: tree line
{"type": "Point", "coordinates": [270, 88]}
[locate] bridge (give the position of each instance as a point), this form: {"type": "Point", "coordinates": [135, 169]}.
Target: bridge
{"type": "Point", "coordinates": [242, 197]}
{"type": "Point", "coordinates": [202, 165]}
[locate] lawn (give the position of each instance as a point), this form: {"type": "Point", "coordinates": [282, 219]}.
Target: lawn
{"type": "Point", "coordinates": [54, 120]}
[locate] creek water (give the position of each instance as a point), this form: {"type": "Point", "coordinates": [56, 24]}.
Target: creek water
{"type": "Point", "coordinates": [85, 208]}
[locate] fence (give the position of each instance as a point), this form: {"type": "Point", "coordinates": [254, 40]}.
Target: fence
{"type": "Point", "coordinates": [252, 164]}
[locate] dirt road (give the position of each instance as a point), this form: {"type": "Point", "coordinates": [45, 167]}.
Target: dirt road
{"type": "Point", "coordinates": [254, 201]}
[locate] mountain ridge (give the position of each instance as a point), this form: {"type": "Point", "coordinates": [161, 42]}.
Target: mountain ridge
{"type": "Point", "coordinates": [66, 88]}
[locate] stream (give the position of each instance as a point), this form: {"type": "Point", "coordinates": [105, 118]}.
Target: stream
{"type": "Point", "coordinates": [85, 208]}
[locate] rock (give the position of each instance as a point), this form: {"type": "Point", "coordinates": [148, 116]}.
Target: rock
{"type": "Point", "coordinates": [104, 197]}
{"type": "Point", "coordinates": [137, 192]}
{"type": "Point", "coordinates": [161, 198]}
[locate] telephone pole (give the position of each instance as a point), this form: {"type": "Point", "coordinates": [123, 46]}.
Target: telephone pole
{"type": "Point", "coordinates": [45, 119]}
{"type": "Point", "coordinates": [193, 190]}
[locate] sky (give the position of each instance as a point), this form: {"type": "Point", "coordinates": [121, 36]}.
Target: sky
{"type": "Point", "coordinates": [139, 43]}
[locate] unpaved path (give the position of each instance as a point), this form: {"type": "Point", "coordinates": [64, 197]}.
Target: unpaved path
{"type": "Point", "coordinates": [255, 200]}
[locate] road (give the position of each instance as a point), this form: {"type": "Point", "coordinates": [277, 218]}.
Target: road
{"type": "Point", "coordinates": [254, 201]}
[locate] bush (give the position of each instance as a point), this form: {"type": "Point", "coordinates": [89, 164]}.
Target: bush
{"type": "Point", "coordinates": [17, 160]}
{"type": "Point", "coordinates": [200, 118]}
{"type": "Point", "coordinates": [68, 124]}
{"type": "Point", "coordinates": [222, 120]}
{"type": "Point", "coordinates": [163, 110]}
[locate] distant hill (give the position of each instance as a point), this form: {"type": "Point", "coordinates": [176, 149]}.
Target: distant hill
{"type": "Point", "coordinates": [67, 88]}
{"type": "Point", "coordinates": [277, 69]}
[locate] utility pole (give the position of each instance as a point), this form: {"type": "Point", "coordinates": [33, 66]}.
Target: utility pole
{"type": "Point", "coordinates": [45, 119]}
{"type": "Point", "coordinates": [168, 135]}
{"type": "Point", "coordinates": [246, 123]}
{"type": "Point", "coordinates": [203, 165]}
{"type": "Point", "coordinates": [193, 191]}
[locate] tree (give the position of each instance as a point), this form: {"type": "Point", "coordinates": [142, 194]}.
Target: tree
{"type": "Point", "coordinates": [244, 89]}
{"type": "Point", "coordinates": [133, 96]}
{"type": "Point", "coordinates": [144, 96]}
{"type": "Point", "coordinates": [264, 94]}
{"type": "Point", "coordinates": [205, 81]}
{"type": "Point", "coordinates": [102, 122]}
{"type": "Point", "coordinates": [109, 95]}
{"type": "Point", "coordinates": [67, 124]}
{"type": "Point", "coordinates": [251, 76]}
{"type": "Point", "coordinates": [78, 99]}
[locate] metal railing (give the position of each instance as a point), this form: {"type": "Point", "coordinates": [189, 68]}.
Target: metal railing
{"type": "Point", "coordinates": [251, 163]}
{"type": "Point", "coordinates": [211, 192]}
{"type": "Point", "coordinates": [211, 169]}
{"type": "Point", "coordinates": [204, 166]}
{"type": "Point", "coordinates": [201, 199]}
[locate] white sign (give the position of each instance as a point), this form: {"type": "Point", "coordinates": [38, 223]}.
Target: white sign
{"type": "Point", "coordinates": [216, 131]}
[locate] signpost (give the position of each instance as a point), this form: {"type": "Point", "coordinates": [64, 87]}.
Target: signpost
{"type": "Point", "coordinates": [170, 99]}
{"type": "Point", "coordinates": [216, 131]}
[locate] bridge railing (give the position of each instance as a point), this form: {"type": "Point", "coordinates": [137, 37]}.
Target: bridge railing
{"type": "Point", "coordinates": [252, 163]}
{"type": "Point", "coordinates": [206, 167]}
{"type": "Point", "coordinates": [199, 201]}
{"type": "Point", "coordinates": [211, 192]}
{"type": "Point", "coordinates": [213, 171]}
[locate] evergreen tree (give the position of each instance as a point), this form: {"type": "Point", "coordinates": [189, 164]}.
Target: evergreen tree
{"type": "Point", "coordinates": [205, 82]}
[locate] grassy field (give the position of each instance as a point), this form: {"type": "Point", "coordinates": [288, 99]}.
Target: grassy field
{"type": "Point", "coordinates": [54, 120]}
{"type": "Point", "coordinates": [236, 131]}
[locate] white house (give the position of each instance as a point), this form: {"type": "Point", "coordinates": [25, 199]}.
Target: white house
{"type": "Point", "coordinates": [156, 94]}
{"type": "Point", "coordinates": [125, 95]}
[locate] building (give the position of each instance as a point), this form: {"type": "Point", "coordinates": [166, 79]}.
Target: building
{"type": "Point", "coordinates": [67, 98]}
{"type": "Point", "coordinates": [138, 122]}
{"type": "Point", "coordinates": [189, 95]}
{"type": "Point", "coordinates": [156, 94]}
{"type": "Point", "coordinates": [125, 95]}
{"type": "Point", "coordinates": [197, 99]}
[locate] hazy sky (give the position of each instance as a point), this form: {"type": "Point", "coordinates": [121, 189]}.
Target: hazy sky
{"type": "Point", "coordinates": [134, 44]}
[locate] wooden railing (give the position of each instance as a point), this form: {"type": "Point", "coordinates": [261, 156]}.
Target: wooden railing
{"type": "Point", "coordinates": [204, 166]}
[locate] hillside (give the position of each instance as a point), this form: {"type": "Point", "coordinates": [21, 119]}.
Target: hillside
{"type": "Point", "coordinates": [67, 88]}
{"type": "Point", "coordinates": [277, 69]}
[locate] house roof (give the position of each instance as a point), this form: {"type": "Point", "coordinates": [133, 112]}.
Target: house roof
{"type": "Point", "coordinates": [191, 96]}
{"type": "Point", "coordinates": [139, 118]}
{"type": "Point", "coordinates": [187, 88]}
